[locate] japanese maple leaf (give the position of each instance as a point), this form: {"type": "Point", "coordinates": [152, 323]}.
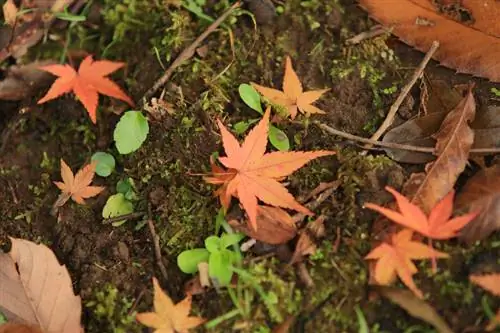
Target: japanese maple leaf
{"type": "Point", "coordinates": [437, 225]}
{"type": "Point", "coordinates": [221, 177]}
{"type": "Point", "coordinates": [257, 174]}
{"type": "Point", "coordinates": [77, 186]}
{"type": "Point", "coordinates": [87, 83]}
{"type": "Point", "coordinates": [167, 316]}
{"type": "Point", "coordinates": [395, 259]}
{"type": "Point", "coordinates": [491, 283]}
{"type": "Point", "coordinates": [293, 96]}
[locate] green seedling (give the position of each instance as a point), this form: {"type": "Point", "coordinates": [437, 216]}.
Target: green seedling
{"type": "Point", "coordinates": [196, 7]}
{"type": "Point", "coordinates": [218, 255]}
{"type": "Point", "coordinates": [252, 98]}
{"type": "Point", "coordinates": [105, 163]}
{"type": "Point", "coordinates": [120, 203]}
{"type": "Point", "coordinates": [131, 132]}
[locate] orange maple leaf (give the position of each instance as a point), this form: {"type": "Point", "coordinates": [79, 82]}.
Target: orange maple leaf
{"type": "Point", "coordinates": [437, 226]}
{"type": "Point", "coordinates": [395, 259]}
{"type": "Point", "coordinates": [87, 83]}
{"type": "Point", "coordinates": [255, 174]}
{"type": "Point", "coordinates": [219, 176]}
{"type": "Point", "coordinates": [78, 187]}
{"type": "Point", "coordinates": [169, 317]}
{"type": "Point", "coordinates": [293, 96]}
{"type": "Point", "coordinates": [491, 283]}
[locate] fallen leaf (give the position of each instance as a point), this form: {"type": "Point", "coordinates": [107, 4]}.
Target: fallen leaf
{"type": "Point", "coordinates": [293, 96]}
{"type": "Point", "coordinates": [489, 282]}
{"type": "Point", "coordinates": [453, 143]}
{"type": "Point", "coordinates": [257, 174]}
{"type": "Point", "coordinates": [169, 317]}
{"type": "Point", "coordinates": [416, 307]}
{"type": "Point", "coordinates": [37, 290]}
{"type": "Point", "coordinates": [18, 328]}
{"type": "Point", "coordinates": [481, 193]}
{"type": "Point", "coordinates": [395, 259]}
{"type": "Point", "coordinates": [23, 81]}
{"type": "Point", "coordinates": [221, 177]}
{"type": "Point", "coordinates": [9, 12]}
{"type": "Point", "coordinates": [87, 83]}
{"type": "Point", "coordinates": [437, 225]}
{"type": "Point", "coordinates": [276, 226]}
{"type": "Point", "coordinates": [77, 186]}
{"type": "Point", "coordinates": [306, 245]}
{"type": "Point", "coordinates": [470, 46]}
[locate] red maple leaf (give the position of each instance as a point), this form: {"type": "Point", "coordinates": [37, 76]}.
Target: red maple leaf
{"type": "Point", "coordinates": [86, 84]}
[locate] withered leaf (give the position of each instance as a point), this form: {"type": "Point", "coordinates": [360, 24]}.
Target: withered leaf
{"type": "Point", "coordinates": [276, 226]}
{"type": "Point", "coordinates": [37, 290]}
{"type": "Point", "coordinates": [415, 306]}
{"type": "Point", "coordinates": [481, 193]}
{"type": "Point", "coordinates": [23, 81]}
{"type": "Point", "coordinates": [470, 46]}
{"type": "Point", "coordinates": [18, 328]}
{"type": "Point", "coordinates": [453, 143]}
{"type": "Point", "coordinates": [306, 244]}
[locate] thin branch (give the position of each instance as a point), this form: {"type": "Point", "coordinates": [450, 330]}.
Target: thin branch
{"type": "Point", "coordinates": [156, 244]}
{"type": "Point", "coordinates": [391, 145]}
{"type": "Point", "coordinates": [187, 53]}
{"type": "Point", "coordinates": [404, 92]}
{"type": "Point", "coordinates": [123, 217]}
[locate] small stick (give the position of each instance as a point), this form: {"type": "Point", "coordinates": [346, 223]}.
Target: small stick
{"type": "Point", "coordinates": [123, 217]}
{"type": "Point", "coordinates": [391, 145]}
{"type": "Point", "coordinates": [375, 32]}
{"type": "Point", "coordinates": [156, 243]}
{"type": "Point", "coordinates": [186, 54]}
{"type": "Point", "coordinates": [404, 92]}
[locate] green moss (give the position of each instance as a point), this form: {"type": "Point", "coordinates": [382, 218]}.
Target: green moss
{"type": "Point", "coordinates": [111, 312]}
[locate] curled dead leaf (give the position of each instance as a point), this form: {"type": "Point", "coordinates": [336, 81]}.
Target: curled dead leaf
{"type": "Point", "coordinates": [306, 245]}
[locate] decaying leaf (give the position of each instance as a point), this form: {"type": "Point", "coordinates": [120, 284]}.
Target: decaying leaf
{"type": "Point", "coordinates": [415, 306]}
{"type": "Point", "coordinates": [481, 193]}
{"type": "Point", "coordinates": [9, 12]}
{"type": "Point", "coordinates": [257, 174]}
{"type": "Point", "coordinates": [438, 225]}
{"type": "Point", "coordinates": [395, 259]}
{"type": "Point", "coordinates": [469, 40]}
{"type": "Point", "coordinates": [87, 83]}
{"type": "Point", "coordinates": [306, 245]}
{"type": "Point", "coordinates": [276, 226]}
{"type": "Point", "coordinates": [293, 96]}
{"type": "Point", "coordinates": [169, 317]}
{"type": "Point", "coordinates": [37, 290]}
{"type": "Point", "coordinates": [453, 143]}
{"type": "Point", "coordinates": [18, 328]}
{"type": "Point", "coordinates": [77, 187]}
{"type": "Point", "coordinates": [23, 81]}
{"type": "Point", "coordinates": [491, 283]}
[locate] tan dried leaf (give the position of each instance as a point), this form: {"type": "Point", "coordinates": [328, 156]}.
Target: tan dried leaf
{"type": "Point", "coordinates": [9, 12]}
{"type": "Point", "coordinates": [18, 328]}
{"type": "Point", "coordinates": [37, 290]}
{"type": "Point", "coordinates": [470, 45]}
{"type": "Point", "coordinates": [306, 245]}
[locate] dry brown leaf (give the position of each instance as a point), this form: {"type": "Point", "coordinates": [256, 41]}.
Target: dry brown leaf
{"type": "Point", "coordinates": [415, 306]}
{"type": "Point", "coordinates": [489, 282]}
{"type": "Point", "coordinates": [18, 328]}
{"type": "Point", "coordinates": [276, 226]}
{"type": "Point", "coordinates": [37, 290]}
{"type": "Point", "coordinates": [23, 81]}
{"type": "Point", "coordinates": [481, 193]}
{"type": "Point", "coordinates": [453, 143]}
{"type": "Point", "coordinates": [9, 12]}
{"type": "Point", "coordinates": [306, 245]}
{"type": "Point", "coordinates": [471, 46]}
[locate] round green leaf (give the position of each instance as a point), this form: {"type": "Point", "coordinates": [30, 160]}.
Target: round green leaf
{"type": "Point", "coordinates": [251, 97]}
{"type": "Point", "coordinates": [219, 267]}
{"type": "Point", "coordinates": [227, 240]}
{"type": "Point", "coordinates": [212, 244]}
{"type": "Point", "coordinates": [188, 260]}
{"type": "Point", "coordinates": [105, 163]}
{"type": "Point", "coordinates": [130, 132]}
{"type": "Point", "coordinates": [278, 139]}
{"type": "Point", "coordinates": [117, 205]}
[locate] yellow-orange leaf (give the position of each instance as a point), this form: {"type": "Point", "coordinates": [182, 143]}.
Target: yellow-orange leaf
{"type": "Point", "coordinates": [437, 225]}
{"type": "Point", "coordinates": [293, 96]}
{"type": "Point", "coordinates": [87, 83]}
{"type": "Point", "coordinates": [167, 316]}
{"type": "Point", "coordinates": [78, 186]}
{"type": "Point", "coordinates": [257, 174]}
{"type": "Point", "coordinates": [395, 259]}
{"type": "Point", "coordinates": [490, 282]}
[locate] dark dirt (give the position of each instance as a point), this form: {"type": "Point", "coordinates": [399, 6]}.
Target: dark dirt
{"type": "Point", "coordinates": [178, 146]}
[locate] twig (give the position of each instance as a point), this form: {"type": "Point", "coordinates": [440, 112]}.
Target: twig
{"type": "Point", "coordinates": [313, 204]}
{"type": "Point", "coordinates": [186, 54]}
{"type": "Point", "coordinates": [375, 32]}
{"type": "Point", "coordinates": [156, 243]}
{"type": "Point", "coordinates": [391, 145]}
{"type": "Point", "coordinates": [123, 217]}
{"type": "Point", "coordinates": [404, 92]}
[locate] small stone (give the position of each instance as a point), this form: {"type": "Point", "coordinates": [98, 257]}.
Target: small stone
{"type": "Point", "coordinates": [123, 251]}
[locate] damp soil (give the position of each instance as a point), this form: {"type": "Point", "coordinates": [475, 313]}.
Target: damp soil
{"type": "Point", "coordinates": [165, 172]}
